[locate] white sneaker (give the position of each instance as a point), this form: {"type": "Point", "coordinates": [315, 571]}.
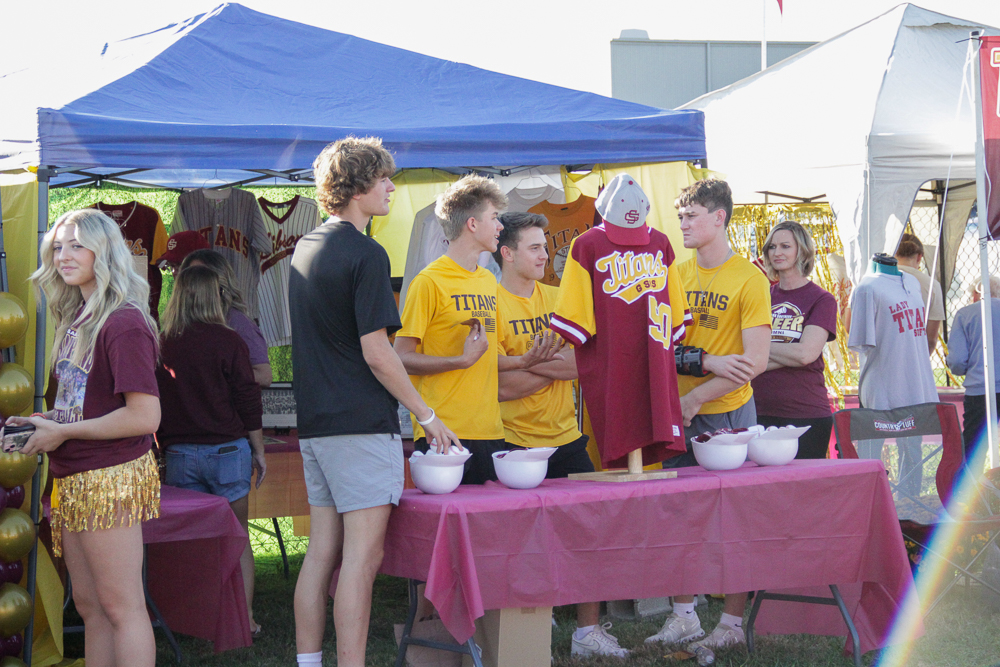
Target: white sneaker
{"type": "Point", "coordinates": [724, 635]}
{"type": "Point", "coordinates": [598, 642]}
{"type": "Point", "coordinates": [676, 630]}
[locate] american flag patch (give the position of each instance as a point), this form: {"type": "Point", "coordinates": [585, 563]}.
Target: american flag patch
{"type": "Point", "coordinates": [709, 321]}
{"type": "Point", "coordinates": [490, 324]}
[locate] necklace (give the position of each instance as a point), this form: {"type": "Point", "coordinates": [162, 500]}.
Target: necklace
{"type": "Point", "coordinates": [718, 270]}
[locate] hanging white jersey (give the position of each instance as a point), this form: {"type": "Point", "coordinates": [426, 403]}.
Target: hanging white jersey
{"type": "Point", "coordinates": [286, 222]}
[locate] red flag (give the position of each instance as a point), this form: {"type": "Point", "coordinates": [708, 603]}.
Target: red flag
{"type": "Point", "coordinates": [781, 10]}
{"type": "Point", "coordinates": [989, 76]}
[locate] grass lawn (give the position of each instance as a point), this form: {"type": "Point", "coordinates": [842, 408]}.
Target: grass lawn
{"type": "Point", "coordinates": [964, 631]}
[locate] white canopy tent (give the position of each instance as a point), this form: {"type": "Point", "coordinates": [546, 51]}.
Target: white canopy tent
{"type": "Point", "coordinates": [864, 119]}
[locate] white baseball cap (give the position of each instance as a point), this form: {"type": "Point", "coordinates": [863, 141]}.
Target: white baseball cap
{"type": "Point", "coordinates": [624, 207]}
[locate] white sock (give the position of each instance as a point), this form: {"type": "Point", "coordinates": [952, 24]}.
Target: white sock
{"type": "Point", "coordinates": [310, 658]}
{"type": "Point", "coordinates": [684, 609]}
{"type": "Point", "coordinates": [584, 631]}
{"type": "Point", "coordinates": [731, 621]}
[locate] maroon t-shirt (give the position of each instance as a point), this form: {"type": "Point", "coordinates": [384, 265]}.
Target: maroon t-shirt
{"type": "Point", "coordinates": [123, 361]}
{"type": "Point", "coordinates": [207, 392]}
{"type": "Point", "coordinates": [796, 392]}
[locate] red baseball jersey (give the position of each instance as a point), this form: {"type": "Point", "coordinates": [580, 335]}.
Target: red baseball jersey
{"type": "Point", "coordinates": [624, 307]}
{"type": "Point", "coordinates": [146, 238]}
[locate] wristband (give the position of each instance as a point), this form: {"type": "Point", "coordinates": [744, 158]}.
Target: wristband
{"type": "Point", "coordinates": [429, 419]}
{"type": "Point", "coordinates": [688, 360]}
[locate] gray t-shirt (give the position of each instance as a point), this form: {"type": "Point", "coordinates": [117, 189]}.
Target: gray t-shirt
{"type": "Point", "coordinates": [889, 335]}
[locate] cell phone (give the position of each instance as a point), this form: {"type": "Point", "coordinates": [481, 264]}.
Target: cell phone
{"type": "Point", "coordinates": [16, 437]}
{"type": "Point", "coordinates": [227, 450]}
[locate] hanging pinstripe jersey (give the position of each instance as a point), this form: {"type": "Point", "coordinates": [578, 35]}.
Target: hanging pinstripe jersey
{"type": "Point", "coordinates": [230, 220]}
{"type": "Point", "coordinates": [286, 223]}
{"type": "Point", "coordinates": [624, 307]}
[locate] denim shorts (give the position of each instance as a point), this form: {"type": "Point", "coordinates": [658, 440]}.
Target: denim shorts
{"type": "Point", "coordinates": [208, 469]}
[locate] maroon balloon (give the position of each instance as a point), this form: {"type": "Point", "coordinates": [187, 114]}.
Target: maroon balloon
{"type": "Point", "coordinates": [14, 571]}
{"type": "Point", "coordinates": [15, 497]}
{"type": "Point", "coordinates": [3, 499]}
{"type": "Point", "coordinates": [12, 645]}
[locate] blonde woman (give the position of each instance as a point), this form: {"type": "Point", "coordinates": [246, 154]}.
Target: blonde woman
{"type": "Point", "coordinates": [98, 437]}
{"type": "Point", "coordinates": [803, 319]}
{"type": "Point", "coordinates": [211, 428]}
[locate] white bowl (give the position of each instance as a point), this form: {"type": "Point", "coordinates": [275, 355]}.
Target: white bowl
{"type": "Point", "coordinates": [430, 476]}
{"type": "Point", "coordinates": [772, 452]}
{"type": "Point", "coordinates": [715, 456]}
{"type": "Point", "coordinates": [524, 471]}
{"type": "Point", "coordinates": [777, 447]}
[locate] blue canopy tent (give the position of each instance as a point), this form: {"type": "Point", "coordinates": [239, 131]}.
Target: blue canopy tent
{"type": "Point", "coordinates": [246, 92]}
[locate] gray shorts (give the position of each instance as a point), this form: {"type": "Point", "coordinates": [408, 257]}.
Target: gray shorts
{"type": "Point", "coordinates": [353, 472]}
{"type": "Point", "coordinates": [742, 417]}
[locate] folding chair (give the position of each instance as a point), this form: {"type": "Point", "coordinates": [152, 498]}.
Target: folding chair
{"type": "Point", "coordinates": [469, 648]}
{"type": "Point", "coordinates": [931, 420]}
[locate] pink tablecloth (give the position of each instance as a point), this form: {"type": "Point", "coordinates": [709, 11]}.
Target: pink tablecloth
{"type": "Point", "coordinates": [194, 567]}
{"type": "Point", "coordinates": [808, 524]}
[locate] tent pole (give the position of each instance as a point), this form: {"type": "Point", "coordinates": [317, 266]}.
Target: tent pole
{"type": "Point", "coordinates": [984, 262]}
{"type": "Point", "coordinates": [763, 35]}
{"type": "Point", "coordinates": [40, 376]}
{"type": "Point", "coordinates": [40, 305]}
{"type": "Point", "coordinates": [942, 198]}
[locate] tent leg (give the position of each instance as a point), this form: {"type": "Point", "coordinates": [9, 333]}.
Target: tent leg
{"type": "Point", "coordinates": [43, 226]}
{"type": "Point", "coordinates": [40, 375]}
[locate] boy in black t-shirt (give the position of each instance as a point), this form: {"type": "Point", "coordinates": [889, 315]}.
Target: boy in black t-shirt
{"type": "Point", "coordinates": [347, 381]}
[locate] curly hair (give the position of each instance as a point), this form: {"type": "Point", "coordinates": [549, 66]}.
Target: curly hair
{"type": "Point", "coordinates": [466, 199]}
{"type": "Point", "coordinates": [712, 193]}
{"type": "Point", "coordinates": [349, 167]}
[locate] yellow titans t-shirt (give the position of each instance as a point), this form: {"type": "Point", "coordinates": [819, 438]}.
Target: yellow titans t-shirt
{"type": "Point", "coordinates": [547, 418]}
{"type": "Point", "coordinates": [439, 299]}
{"type": "Point", "coordinates": [724, 301]}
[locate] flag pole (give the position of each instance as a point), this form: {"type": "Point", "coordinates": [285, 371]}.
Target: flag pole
{"type": "Point", "coordinates": [763, 35]}
{"type": "Point", "coordinates": [982, 206]}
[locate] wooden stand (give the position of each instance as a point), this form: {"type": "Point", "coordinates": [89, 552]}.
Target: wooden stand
{"type": "Point", "coordinates": [635, 473]}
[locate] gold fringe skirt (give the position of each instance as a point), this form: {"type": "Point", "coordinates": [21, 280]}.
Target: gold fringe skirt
{"type": "Point", "coordinates": [118, 496]}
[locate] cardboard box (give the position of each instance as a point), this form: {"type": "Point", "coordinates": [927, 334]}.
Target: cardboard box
{"type": "Point", "coordinates": [637, 609]}
{"type": "Point", "coordinates": [516, 637]}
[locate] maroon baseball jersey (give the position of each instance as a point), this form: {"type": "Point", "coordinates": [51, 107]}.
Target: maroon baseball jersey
{"type": "Point", "coordinates": [624, 307]}
{"type": "Point", "coordinates": [146, 238]}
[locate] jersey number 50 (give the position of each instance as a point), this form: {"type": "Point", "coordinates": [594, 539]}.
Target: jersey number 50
{"type": "Point", "coordinates": [660, 322]}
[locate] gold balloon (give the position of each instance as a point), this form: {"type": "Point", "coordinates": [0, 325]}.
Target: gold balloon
{"type": "Point", "coordinates": [17, 536]}
{"type": "Point", "coordinates": [15, 609]}
{"type": "Point", "coordinates": [11, 661]}
{"type": "Point", "coordinates": [16, 390]}
{"type": "Point", "coordinates": [13, 319]}
{"type": "Point", "coordinates": [16, 468]}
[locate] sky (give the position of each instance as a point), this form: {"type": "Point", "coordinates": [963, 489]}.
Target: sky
{"type": "Point", "coordinates": [553, 41]}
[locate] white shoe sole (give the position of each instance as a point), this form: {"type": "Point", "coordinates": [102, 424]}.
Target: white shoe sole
{"type": "Point", "coordinates": [584, 652]}
{"type": "Point", "coordinates": [690, 637]}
